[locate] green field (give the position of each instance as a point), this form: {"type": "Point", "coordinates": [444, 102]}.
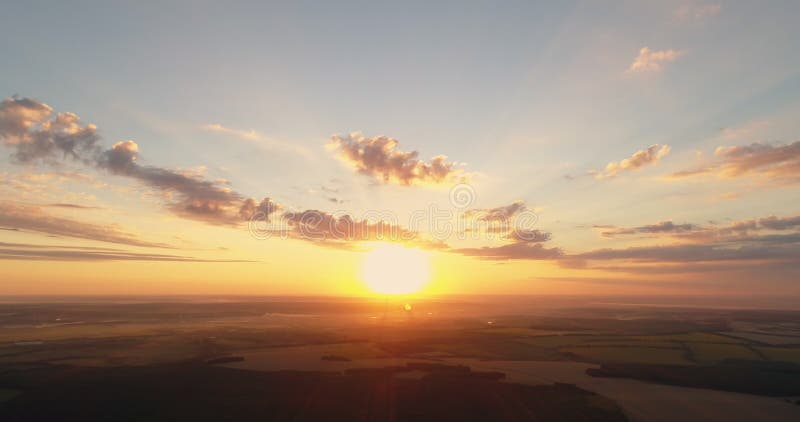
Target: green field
{"type": "Point", "coordinates": [632, 354]}
{"type": "Point", "coordinates": [717, 352]}
{"type": "Point", "coordinates": [781, 354]}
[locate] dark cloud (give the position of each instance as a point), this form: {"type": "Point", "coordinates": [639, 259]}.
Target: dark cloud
{"type": "Point", "coordinates": [380, 158]}
{"type": "Point", "coordinates": [31, 130]}
{"type": "Point", "coordinates": [744, 244]}
{"type": "Point", "coordinates": [32, 218]}
{"type": "Point", "coordinates": [531, 236]}
{"type": "Point", "coordinates": [660, 227]}
{"type": "Point", "coordinates": [498, 214]}
{"type": "Point", "coordinates": [261, 211]}
{"type": "Point", "coordinates": [193, 197]}
{"type": "Point", "coordinates": [344, 231]}
{"type": "Point", "coordinates": [777, 223]}
{"type": "Point", "coordinates": [690, 253]}
{"type": "Point", "coordinates": [526, 244]}
{"type": "Point", "coordinates": [749, 245]}
{"type": "Point", "coordinates": [28, 127]}
{"type": "Point", "coordinates": [516, 250]}
{"type": "Point", "coordinates": [639, 159]}
{"type": "Point", "coordinates": [777, 162]}
{"type": "Point", "coordinates": [731, 232]}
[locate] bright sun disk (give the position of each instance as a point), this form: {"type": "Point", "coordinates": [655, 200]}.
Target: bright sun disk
{"type": "Point", "coordinates": [394, 269]}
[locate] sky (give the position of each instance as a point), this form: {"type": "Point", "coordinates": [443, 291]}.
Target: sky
{"type": "Point", "coordinates": [191, 147]}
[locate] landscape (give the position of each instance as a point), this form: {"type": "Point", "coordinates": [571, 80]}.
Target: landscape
{"type": "Point", "coordinates": [356, 359]}
{"type": "Point", "coordinates": [349, 210]}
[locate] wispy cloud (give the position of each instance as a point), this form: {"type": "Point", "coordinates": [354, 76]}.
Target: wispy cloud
{"type": "Point", "coordinates": [653, 60]}
{"type": "Point", "coordinates": [763, 244]}
{"type": "Point", "coordinates": [32, 218]}
{"type": "Point", "coordinates": [258, 139]}
{"type": "Point", "coordinates": [34, 252]}
{"type": "Point", "coordinates": [690, 253]}
{"type": "Point", "coordinates": [663, 227]}
{"type": "Point", "coordinates": [733, 231]}
{"type": "Point", "coordinates": [72, 206]}
{"type": "Point", "coordinates": [774, 162]}
{"type": "Point", "coordinates": [639, 159]}
{"type": "Point", "coordinates": [693, 11]}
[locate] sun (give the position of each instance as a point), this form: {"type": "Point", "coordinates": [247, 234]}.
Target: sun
{"type": "Point", "coordinates": [394, 269]}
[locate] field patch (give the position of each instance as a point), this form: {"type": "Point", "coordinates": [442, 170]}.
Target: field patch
{"type": "Point", "coordinates": [632, 354]}
{"type": "Point", "coordinates": [781, 354]}
{"type": "Point", "coordinates": [717, 352]}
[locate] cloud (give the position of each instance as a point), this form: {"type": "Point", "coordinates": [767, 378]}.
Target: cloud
{"type": "Point", "coordinates": [32, 218]}
{"type": "Point", "coordinates": [696, 12]}
{"type": "Point", "coordinates": [28, 127]}
{"type": "Point", "coordinates": [639, 159]}
{"type": "Point", "coordinates": [750, 243]}
{"type": "Point", "coordinates": [380, 158]}
{"type": "Point", "coordinates": [660, 227]}
{"type": "Point", "coordinates": [498, 214]}
{"type": "Point", "coordinates": [529, 236]}
{"type": "Point", "coordinates": [653, 61]}
{"type": "Point", "coordinates": [244, 134]}
{"type": "Point", "coordinates": [72, 206]}
{"type": "Point", "coordinates": [775, 162]}
{"type": "Point", "coordinates": [33, 252]}
{"type": "Point", "coordinates": [257, 139]}
{"type": "Point", "coordinates": [191, 196]}
{"type": "Point", "coordinates": [526, 244]}
{"type": "Point", "coordinates": [779, 223]}
{"type": "Point", "coordinates": [733, 231]}
{"type": "Point", "coordinates": [691, 253]}
{"type": "Point", "coordinates": [343, 231]}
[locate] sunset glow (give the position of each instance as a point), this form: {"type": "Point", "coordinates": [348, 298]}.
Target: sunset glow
{"type": "Point", "coordinates": [536, 148]}
{"type": "Point", "coordinates": [532, 210]}
{"type": "Point", "coordinates": [394, 269]}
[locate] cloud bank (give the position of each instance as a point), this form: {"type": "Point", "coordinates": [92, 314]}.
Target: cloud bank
{"type": "Point", "coordinates": [35, 134]}
{"type": "Point", "coordinates": [761, 245]}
